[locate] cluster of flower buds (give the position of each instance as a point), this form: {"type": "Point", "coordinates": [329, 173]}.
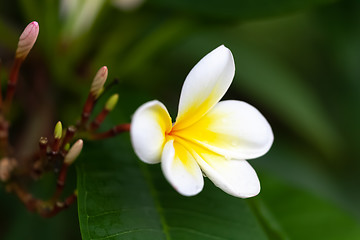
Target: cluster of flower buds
{"type": "Point", "coordinates": [55, 153]}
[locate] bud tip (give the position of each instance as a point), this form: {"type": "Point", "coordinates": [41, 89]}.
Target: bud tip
{"type": "Point", "coordinates": [67, 147]}
{"type": "Point", "coordinates": [27, 40]}
{"type": "Point", "coordinates": [58, 130]}
{"type": "Point", "coordinates": [111, 102]}
{"type": "Point", "coordinates": [99, 81]}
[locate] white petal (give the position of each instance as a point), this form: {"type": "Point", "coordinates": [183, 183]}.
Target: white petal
{"type": "Point", "coordinates": [181, 169]}
{"type": "Point", "coordinates": [233, 129]}
{"type": "Point", "coordinates": [148, 127]}
{"type": "Point", "coordinates": [235, 177]}
{"type": "Point", "coordinates": [205, 85]}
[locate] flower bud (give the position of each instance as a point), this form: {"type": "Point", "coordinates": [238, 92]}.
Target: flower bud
{"type": "Point", "coordinates": [73, 152]}
{"type": "Point", "coordinates": [67, 147]}
{"type": "Point", "coordinates": [111, 102]}
{"type": "Point", "coordinates": [58, 130]}
{"type": "Point", "coordinates": [99, 81]}
{"type": "Point", "coordinates": [27, 40]}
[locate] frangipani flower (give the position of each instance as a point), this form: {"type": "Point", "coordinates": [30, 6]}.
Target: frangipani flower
{"type": "Point", "coordinates": [208, 136]}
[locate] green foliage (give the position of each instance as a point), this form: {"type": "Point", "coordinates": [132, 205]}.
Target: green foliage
{"type": "Point", "coordinates": [240, 10]}
{"type": "Point", "coordinates": [124, 199]}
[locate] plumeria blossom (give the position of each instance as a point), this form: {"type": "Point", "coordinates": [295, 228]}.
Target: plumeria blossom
{"type": "Point", "coordinates": [208, 137]}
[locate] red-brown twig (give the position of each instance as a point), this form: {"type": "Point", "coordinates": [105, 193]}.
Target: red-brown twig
{"type": "Point", "coordinates": [99, 119]}
{"type": "Point", "coordinates": [59, 206]}
{"type": "Point", "coordinates": [88, 107]}
{"type": "Point", "coordinates": [11, 85]}
{"type": "Point", "coordinates": [55, 146]}
{"type": "Point", "coordinates": [112, 132]}
{"type": "Point", "coordinates": [43, 208]}
{"type": "Point", "coordinates": [43, 144]}
{"type": "Point", "coordinates": [70, 133]}
{"type": "Point", "coordinates": [25, 197]}
{"type": "Point", "coordinates": [1, 99]}
{"type": "Point", "coordinates": [60, 183]}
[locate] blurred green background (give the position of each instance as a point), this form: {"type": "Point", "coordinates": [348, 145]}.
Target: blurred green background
{"type": "Point", "coordinates": [297, 61]}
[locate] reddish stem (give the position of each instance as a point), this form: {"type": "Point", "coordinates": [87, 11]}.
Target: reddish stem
{"type": "Point", "coordinates": [11, 86]}
{"type": "Point", "coordinates": [1, 99]}
{"type": "Point", "coordinates": [43, 208]}
{"type": "Point", "coordinates": [88, 107]}
{"type": "Point", "coordinates": [4, 134]}
{"type": "Point", "coordinates": [70, 132]}
{"type": "Point", "coordinates": [60, 182]}
{"type": "Point", "coordinates": [25, 197]}
{"type": "Point", "coordinates": [59, 206]}
{"type": "Point", "coordinates": [99, 119]}
{"type": "Point", "coordinates": [112, 132]}
{"type": "Point", "coordinates": [56, 146]}
{"type": "Point", "coordinates": [43, 144]}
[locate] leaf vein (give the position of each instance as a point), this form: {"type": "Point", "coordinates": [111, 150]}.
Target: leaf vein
{"type": "Point", "coordinates": [118, 211]}
{"type": "Point", "coordinates": [198, 232]}
{"type": "Point", "coordinates": [126, 232]}
{"type": "Point", "coordinates": [196, 213]}
{"type": "Point", "coordinates": [157, 203]}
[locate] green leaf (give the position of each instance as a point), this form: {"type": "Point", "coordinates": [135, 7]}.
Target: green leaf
{"type": "Point", "coordinates": [243, 10]}
{"type": "Point", "coordinates": [301, 193]}
{"type": "Point", "coordinates": [290, 163]}
{"type": "Point", "coordinates": [297, 209]}
{"type": "Point", "coordinates": [122, 198]}
{"type": "Point", "coordinates": [282, 90]}
{"type": "Point", "coordinates": [164, 35]}
{"type": "Point", "coordinates": [12, 37]}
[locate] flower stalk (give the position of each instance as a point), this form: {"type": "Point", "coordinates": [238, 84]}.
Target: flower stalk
{"type": "Point", "coordinates": [118, 129]}
{"type": "Point", "coordinates": [70, 133]}
{"type": "Point", "coordinates": [42, 156]}
{"type": "Point", "coordinates": [26, 42]}
{"type": "Point", "coordinates": [109, 106]}
{"type": "Point", "coordinates": [1, 100]}
{"type": "Point", "coordinates": [69, 159]}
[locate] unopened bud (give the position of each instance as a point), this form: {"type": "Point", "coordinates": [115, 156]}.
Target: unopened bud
{"type": "Point", "coordinates": [100, 92]}
{"type": "Point", "coordinates": [99, 81]}
{"type": "Point", "coordinates": [67, 147]}
{"type": "Point", "coordinates": [73, 152]}
{"type": "Point", "coordinates": [27, 40]}
{"type": "Point", "coordinates": [111, 102]}
{"type": "Point", "coordinates": [58, 130]}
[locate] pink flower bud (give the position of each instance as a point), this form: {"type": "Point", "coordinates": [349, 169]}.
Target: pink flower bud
{"type": "Point", "coordinates": [27, 40]}
{"type": "Point", "coordinates": [99, 81]}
